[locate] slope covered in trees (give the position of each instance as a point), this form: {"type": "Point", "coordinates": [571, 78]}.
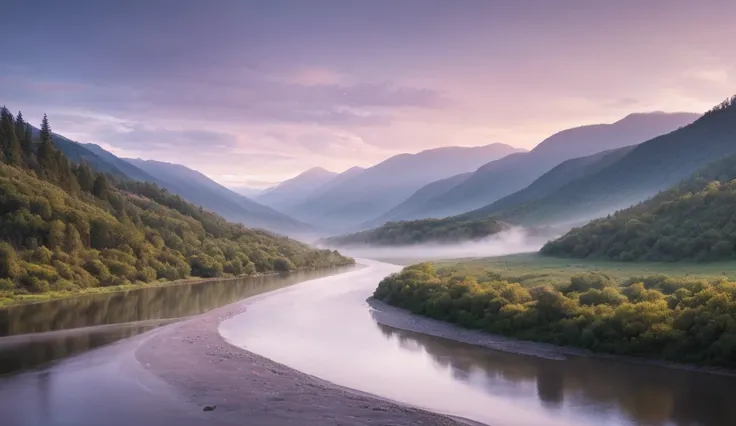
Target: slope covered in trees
{"type": "Point", "coordinates": [421, 231]}
{"type": "Point", "coordinates": [695, 220]}
{"type": "Point", "coordinates": [682, 320]}
{"type": "Point", "coordinates": [197, 188]}
{"type": "Point", "coordinates": [66, 227]}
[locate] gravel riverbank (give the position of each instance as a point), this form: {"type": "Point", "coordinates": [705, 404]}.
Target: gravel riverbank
{"type": "Point", "coordinates": [249, 389]}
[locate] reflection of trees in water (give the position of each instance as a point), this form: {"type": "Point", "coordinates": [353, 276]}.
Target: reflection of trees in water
{"type": "Point", "coordinates": [24, 354]}
{"type": "Point", "coordinates": [647, 395]}
{"type": "Point", "coordinates": [162, 302]}
{"type": "Point", "coordinates": [152, 303]}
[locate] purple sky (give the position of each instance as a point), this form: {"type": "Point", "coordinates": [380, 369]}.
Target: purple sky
{"type": "Point", "coordinates": [253, 92]}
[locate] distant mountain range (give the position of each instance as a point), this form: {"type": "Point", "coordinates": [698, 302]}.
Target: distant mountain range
{"type": "Point", "coordinates": [359, 195]}
{"type": "Point", "coordinates": [296, 190]}
{"type": "Point", "coordinates": [503, 177]}
{"type": "Point", "coordinates": [650, 167]}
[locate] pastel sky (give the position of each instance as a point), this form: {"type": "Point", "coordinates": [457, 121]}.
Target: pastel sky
{"type": "Point", "coordinates": [253, 92]}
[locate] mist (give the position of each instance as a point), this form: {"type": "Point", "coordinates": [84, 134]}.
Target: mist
{"type": "Point", "coordinates": [514, 240]}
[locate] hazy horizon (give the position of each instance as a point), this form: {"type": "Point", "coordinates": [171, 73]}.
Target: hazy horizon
{"type": "Point", "coordinates": [252, 93]}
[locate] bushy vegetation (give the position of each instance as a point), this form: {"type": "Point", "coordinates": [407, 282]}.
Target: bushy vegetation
{"type": "Point", "coordinates": [695, 220]}
{"type": "Point", "coordinates": [447, 230]}
{"type": "Point", "coordinates": [65, 227]}
{"type": "Point", "coordinates": [687, 320]}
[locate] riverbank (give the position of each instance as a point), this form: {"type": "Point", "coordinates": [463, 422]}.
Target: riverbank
{"type": "Point", "coordinates": [402, 319]}
{"type": "Point", "coordinates": [28, 299]}
{"type": "Point", "coordinates": [204, 369]}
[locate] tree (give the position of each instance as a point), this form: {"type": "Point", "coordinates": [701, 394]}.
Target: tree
{"type": "Point", "coordinates": [45, 154]}
{"type": "Point", "coordinates": [100, 187]}
{"type": "Point", "coordinates": [9, 267]}
{"type": "Point", "coordinates": [85, 177]}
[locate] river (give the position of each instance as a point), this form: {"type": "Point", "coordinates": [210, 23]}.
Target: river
{"type": "Point", "coordinates": [325, 328]}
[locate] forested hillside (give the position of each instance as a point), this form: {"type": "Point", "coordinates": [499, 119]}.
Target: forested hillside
{"type": "Point", "coordinates": [197, 188]}
{"type": "Point", "coordinates": [686, 320]}
{"type": "Point", "coordinates": [695, 220]}
{"type": "Point", "coordinates": [442, 231]}
{"type": "Point", "coordinates": [65, 227]}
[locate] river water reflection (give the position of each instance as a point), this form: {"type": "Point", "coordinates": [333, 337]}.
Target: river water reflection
{"type": "Point", "coordinates": [325, 328]}
{"type": "Point", "coordinates": [32, 335]}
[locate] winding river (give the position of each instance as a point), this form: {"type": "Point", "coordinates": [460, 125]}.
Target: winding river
{"type": "Point", "coordinates": [325, 328]}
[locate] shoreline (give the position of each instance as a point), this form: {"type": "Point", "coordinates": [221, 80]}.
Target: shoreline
{"type": "Point", "coordinates": [204, 369]}
{"type": "Point", "coordinates": [392, 316]}
{"type": "Point", "coordinates": [93, 291]}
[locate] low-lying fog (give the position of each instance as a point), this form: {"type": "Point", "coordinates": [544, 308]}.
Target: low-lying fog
{"type": "Point", "coordinates": [515, 240]}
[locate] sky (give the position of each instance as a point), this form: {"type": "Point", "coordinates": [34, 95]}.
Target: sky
{"type": "Point", "coordinates": [253, 92]}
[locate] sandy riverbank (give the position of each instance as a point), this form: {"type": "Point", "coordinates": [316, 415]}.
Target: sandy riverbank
{"type": "Point", "coordinates": [402, 319]}
{"type": "Point", "coordinates": [204, 369]}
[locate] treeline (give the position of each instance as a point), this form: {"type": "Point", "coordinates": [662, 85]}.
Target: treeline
{"type": "Point", "coordinates": [673, 319]}
{"type": "Point", "coordinates": [65, 227]}
{"type": "Point", "coordinates": [695, 220]}
{"type": "Point", "coordinates": [443, 231]}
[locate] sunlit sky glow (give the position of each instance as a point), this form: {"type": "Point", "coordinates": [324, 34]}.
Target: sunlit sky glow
{"type": "Point", "coordinates": [253, 92]}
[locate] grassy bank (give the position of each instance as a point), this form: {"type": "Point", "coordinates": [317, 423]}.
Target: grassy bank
{"type": "Point", "coordinates": [532, 269]}
{"type": "Point", "coordinates": [7, 300]}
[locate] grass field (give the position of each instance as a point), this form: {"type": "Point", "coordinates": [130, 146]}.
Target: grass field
{"type": "Point", "coordinates": [532, 269]}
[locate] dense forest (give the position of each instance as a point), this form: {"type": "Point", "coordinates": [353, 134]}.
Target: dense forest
{"type": "Point", "coordinates": [684, 320]}
{"type": "Point", "coordinates": [694, 220]}
{"type": "Point", "coordinates": [442, 231]}
{"type": "Point", "coordinates": [66, 227]}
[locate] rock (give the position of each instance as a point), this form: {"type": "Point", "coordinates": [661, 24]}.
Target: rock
{"type": "Point", "coordinates": [209, 408]}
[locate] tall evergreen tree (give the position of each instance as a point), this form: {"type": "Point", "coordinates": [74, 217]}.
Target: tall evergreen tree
{"type": "Point", "coordinates": [45, 154]}
{"type": "Point", "coordinates": [10, 144]}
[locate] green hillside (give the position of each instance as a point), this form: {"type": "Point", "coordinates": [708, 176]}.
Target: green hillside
{"type": "Point", "coordinates": [65, 227]}
{"type": "Point", "coordinates": [446, 230]}
{"type": "Point", "coordinates": [694, 220]}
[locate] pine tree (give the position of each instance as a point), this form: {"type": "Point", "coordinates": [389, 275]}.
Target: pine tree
{"type": "Point", "coordinates": [45, 154]}
{"type": "Point", "coordinates": [85, 177]}
{"type": "Point", "coordinates": [10, 144]}
{"type": "Point", "coordinates": [100, 187]}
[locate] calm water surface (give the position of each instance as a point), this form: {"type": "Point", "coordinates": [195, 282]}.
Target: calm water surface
{"type": "Point", "coordinates": [32, 335]}
{"type": "Point", "coordinates": [325, 328]}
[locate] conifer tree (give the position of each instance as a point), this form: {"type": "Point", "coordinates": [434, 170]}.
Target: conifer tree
{"type": "Point", "coordinates": [45, 154]}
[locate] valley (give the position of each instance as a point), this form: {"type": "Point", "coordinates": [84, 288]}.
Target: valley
{"type": "Point", "coordinates": [321, 212]}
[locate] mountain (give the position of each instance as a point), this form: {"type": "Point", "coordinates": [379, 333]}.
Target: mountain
{"type": "Point", "coordinates": [500, 178]}
{"type": "Point", "coordinates": [375, 190]}
{"type": "Point", "coordinates": [692, 221]}
{"type": "Point", "coordinates": [199, 189]}
{"type": "Point", "coordinates": [297, 189]}
{"type": "Point", "coordinates": [551, 181]}
{"type": "Point", "coordinates": [65, 227]}
{"type": "Point", "coordinates": [406, 209]}
{"type": "Point", "coordinates": [190, 184]}
{"type": "Point", "coordinates": [650, 167]}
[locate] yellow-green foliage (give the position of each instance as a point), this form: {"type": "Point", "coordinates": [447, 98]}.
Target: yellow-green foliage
{"type": "Point", "coordinates": [64, 227]}
{"type": "Point", "coordinates": [689, 320]}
